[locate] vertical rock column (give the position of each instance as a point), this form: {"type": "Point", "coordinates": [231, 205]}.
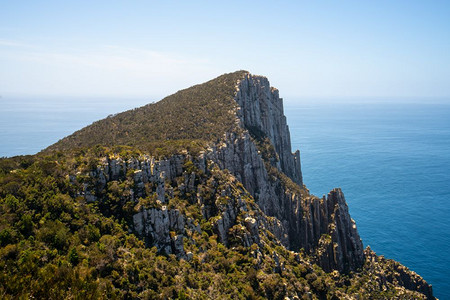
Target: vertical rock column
{"type": "Point", "coordinates": [340, 247]}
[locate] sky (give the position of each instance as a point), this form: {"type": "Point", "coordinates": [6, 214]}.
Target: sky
{"type": "Point", "coordinates": [154, 48]}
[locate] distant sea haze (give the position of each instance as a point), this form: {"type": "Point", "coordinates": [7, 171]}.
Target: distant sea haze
{"type": "Point", "coordinates": [391, 159]}
{"type": "Point", "coordinates": [28, 125]}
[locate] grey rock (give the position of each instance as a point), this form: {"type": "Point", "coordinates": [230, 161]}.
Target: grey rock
{"type": "Point", "coordinates": [341, 248]}
{"type": "Point", "coordinates": [261, 109]}
{"type": "Point", "coordinates": [276, 260]}
{"type": "Point", "coordinates": [155, 225]}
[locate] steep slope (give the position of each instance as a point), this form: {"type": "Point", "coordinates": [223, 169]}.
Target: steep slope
{"type": "Point", "coordinates": [210, 164]}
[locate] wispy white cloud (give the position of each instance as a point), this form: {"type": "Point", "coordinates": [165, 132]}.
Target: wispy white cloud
{"type": "Point", "coordinates": [10, 43]}
{"type": "Point", "coordinates": [108, 57]}
{"type": "Point", "coordinates": [103, 69]}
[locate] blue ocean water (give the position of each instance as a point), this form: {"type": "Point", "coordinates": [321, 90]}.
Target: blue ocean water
{"type": "Point", "coordinates": [392, 161]}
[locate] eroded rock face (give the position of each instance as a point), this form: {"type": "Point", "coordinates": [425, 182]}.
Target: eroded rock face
{"type": "Point", "coordinates": [340, 247]}
{"type": "Point", "coordinates": [162, 228]}
{"type": "Point", "coordinates": [238, 154]}
{"type": "Point", "coordinates": [261, 110]}
{"type": "Point", "coordinates": [307, 219]}
{"type": "Point", "coordinates": [146, 169]}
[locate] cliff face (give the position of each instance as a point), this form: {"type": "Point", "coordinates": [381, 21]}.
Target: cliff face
{"type": "Point", "coordinates": [261, 110]}
{"type": "Point", "coordinates": [307, 219]}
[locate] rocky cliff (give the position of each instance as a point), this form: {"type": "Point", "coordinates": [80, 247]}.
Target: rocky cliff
{"type": "Point", "coordinates": [274, 179]}
{"type": "Point", "coordinates": [260, 110]}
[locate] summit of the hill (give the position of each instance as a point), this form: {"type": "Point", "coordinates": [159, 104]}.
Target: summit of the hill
{"type": "Point", "coordinates": [201, 112]}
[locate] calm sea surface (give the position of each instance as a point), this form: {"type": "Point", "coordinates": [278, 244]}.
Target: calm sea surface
{"type": "Point", "coordinates": [391, 160]}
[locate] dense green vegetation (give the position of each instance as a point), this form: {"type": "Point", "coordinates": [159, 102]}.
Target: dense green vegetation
{"type": "Point", "coordinates": [55, 245]}
{"type": "Point", "coordinates": [201, 112]}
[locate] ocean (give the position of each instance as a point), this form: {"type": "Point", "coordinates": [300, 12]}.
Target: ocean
{"type": "Point", "coordinates": [391, 159]}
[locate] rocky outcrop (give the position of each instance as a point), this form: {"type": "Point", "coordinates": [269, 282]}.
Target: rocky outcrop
{"type": "Point", "coordinates": [144, 169]}
{"type": "Point", "coordinates": [384, 272]}
{"type": "Point", "coordinates": [159, 226]}
{"type": "Point", "coordinates": [162, 228]}
{"type": "Point", "coordinates": [308, 220]}
{"type": "Point", "coordinates": [339, 246]}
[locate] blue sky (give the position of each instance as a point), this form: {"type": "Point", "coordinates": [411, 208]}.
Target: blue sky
{"type": "Point", "coordinates": [154, 48]}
